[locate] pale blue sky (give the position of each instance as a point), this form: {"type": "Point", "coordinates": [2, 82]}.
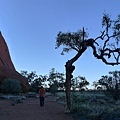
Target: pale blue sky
{"type": "Point", "coordinates": [30, 28]}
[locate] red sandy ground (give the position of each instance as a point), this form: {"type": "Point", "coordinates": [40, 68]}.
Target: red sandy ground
{"type": "Point", "coordinates": [30, 110]}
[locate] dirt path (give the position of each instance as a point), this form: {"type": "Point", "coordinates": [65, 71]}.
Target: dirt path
{"type": "Point", "coordinates": [30, 110]}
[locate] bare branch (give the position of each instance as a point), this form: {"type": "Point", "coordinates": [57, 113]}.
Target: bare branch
{"type": "Point", "coordinates": [101, 36]}
{"type": "Point", "coordinates": [106, 41]}
{"type": "Point", "coordinates": [101, 56]}
{"type": "Point", "coordinates": [75, 49]}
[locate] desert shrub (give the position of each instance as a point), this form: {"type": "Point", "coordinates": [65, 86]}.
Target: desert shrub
{"type": "Point", "coordinates": [77, 103]}
{"type": "Point", "coordinates": [53, 89]}
{"type": "Point", "coordinates": [97, 113]}
{"type": "Point", "coordinates": [112, 93]}
{"type": "Point", "coordinates": [85, 108]}
{"type": "Point", "coordinates": [104, 113]}
{"type": "Point", "coordinates": [11, 86]}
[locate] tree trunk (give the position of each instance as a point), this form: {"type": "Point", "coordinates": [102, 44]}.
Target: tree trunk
{"type": "Point", "coordinates": [69, 70]}
{"type": "Point", "coordinates": [68, 86]}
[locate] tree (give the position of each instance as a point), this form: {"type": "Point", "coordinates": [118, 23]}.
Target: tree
{"type": "Point", "coordinates": [111, 84]}
{"type": "Point", "coordinates": [105, 82]}
{"type": "Point", "coordinates": [116, 84]}
{"type": "Point", "coordinates": [102, 46]}
{"type": "Point", "coordinates": [53, 88]}
{"type": "Point", "coordinates": [11, 86]}
{"type": "Point", "coordinates": [37, 82]}
{"type": "Point", "coordinates": [83, 82]}
{"type": "Point", "coordinates": [43, 80]}
{"type": "Point", "coordinates": [34, 80]}
{"type": "Point", "coordinates": [95, 84]}
{"type": "Point", "coordinates": [30, 76]}
{"type": "Point", "coordinates": [79, 82]}
{"type": "Point", "coordinates": [56, 78]}
{"type": "Point", "coordinates": [61, 83]}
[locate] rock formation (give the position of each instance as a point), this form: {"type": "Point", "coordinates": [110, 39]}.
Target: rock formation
{"type": "Point", "coordinates": [7, 69]}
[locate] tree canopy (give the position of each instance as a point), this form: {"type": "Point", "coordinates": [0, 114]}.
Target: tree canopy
{"type": "Point", "coordinates": [105, 46]}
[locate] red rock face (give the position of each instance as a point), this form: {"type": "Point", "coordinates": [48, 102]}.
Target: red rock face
{"type": "Point", "coordinates": [7, 69]}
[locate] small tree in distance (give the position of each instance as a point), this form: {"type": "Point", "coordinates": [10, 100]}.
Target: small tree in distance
{"type": "Point", "coordinates": [111, 84]}
{"type": "Point", "coordinates": [105, 47]}
{"type": "Point", "coordinates": [56, 79]}
{"type": "Point", "coordinates": [34, 80]}
{"type": "Point", "coordinates": [79, 83]}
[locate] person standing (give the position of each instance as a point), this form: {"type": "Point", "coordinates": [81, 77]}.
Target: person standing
{"type": "Point", "coordinates": [42, 96]}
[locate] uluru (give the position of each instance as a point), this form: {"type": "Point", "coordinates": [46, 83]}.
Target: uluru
{"type": "Point", "coordinates": [7, 69]}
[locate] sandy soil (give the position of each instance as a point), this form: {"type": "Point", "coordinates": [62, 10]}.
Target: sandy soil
{"type": "Point", "coordinates": [31, 110]}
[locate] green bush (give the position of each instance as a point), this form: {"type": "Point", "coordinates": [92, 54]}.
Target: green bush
{"type": "Point", "coordinates": [98, 108]}
{"type": "Point", "coordinates": [11, 86]}
{"type": "Point", "coordinates": [76, 103]}
{"type": "Point", "coordinates": [53, 89]}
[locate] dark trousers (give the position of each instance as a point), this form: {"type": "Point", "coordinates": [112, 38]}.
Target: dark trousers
{"type": "Point", "coordinates": [42, 101]}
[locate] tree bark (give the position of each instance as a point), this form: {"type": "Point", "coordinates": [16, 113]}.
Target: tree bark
{"type": "Point", "coordinates": [69, 68]}
{"type": "Point", "coordinates": [68, 86]}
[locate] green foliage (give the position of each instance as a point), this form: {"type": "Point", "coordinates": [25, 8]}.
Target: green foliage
{"type": "Point", "coordinates": [53, 88]}
{"type": "Point", "coordinates": [94, 108]}
{"type": "Point", "coordinates": [34, 80]}
{"type": "Point", "coordinates": [77, 102]}
{"type": "Point", "coordinates": [35, 85]}
{"type": "Point", "coordinates": [111, 84]}
{"type": "Point", "coordinates": [113, 25]}
{"type": "Point", "coordinates": [71, 41]}
{"type": "Point", "coordinates": [11, 86]}
{"type": "Point", "coordinates": [30, 76]}
{"type": "Point", "coordinates": [56, 78]}
{"type": "Point", "coordinates": [79, 83]}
